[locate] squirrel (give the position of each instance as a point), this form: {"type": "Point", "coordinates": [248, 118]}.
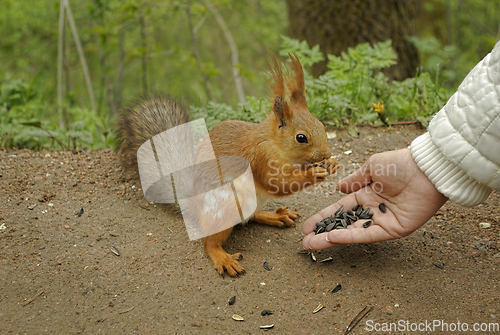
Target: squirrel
{"type": "Point", "coordinates": [287, 152]}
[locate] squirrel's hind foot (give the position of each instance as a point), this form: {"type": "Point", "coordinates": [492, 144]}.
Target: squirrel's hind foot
{"type": "Point", "coordinates": [229, 263]}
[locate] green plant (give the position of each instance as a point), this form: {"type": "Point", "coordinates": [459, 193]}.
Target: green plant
{"type": "Point", "coordinates": [26, 120]}
{"type": "Point", "coordinates": [345, 95]}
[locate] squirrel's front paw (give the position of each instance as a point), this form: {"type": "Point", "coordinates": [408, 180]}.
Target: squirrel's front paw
{"type": "Point", "coordinates": [318, 172]}
{"type": "Point", "coordinates": [283, 217]}
{"type": "Point", "coordinates": [331, 164]}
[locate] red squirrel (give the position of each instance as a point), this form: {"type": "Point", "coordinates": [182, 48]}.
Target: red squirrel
{"type": "Point", "coordinates": [287, 152]}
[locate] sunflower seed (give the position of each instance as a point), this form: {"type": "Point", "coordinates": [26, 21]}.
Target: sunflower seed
{"type": "Point", "coordinates": [382, 207]}
{"type": "Point", "coordinates": [321, 224]}
{"type": "Point", "coordinates": [330, 226]}
{"type": "Point", "coordinates": [339, 210]}
{"type": "Point", "coordinates": [80, 212]}
{"type": "Point", "coordinates": [355, 208]}
{"type": "Point", "coordinates": [266, 266]}
{"type": "Point", "coordinates": [115, 251]}
{"type": "Point", "coordinates": [267, 326]}
{"type": "Point", "coordinates": [349, 212]}
{"type": "Point", "coordinates": [317, 309]}
{"type": "Point", "coordinates": [326, 260]}
{"type": "Point", "coordinates": [366, 210]}
{"type": "Point", "coordinates": [352, 218]}
{"type": "Point", "coordinates": [313, 257]}
{"type": "Point", "coordinates": [236, 317]}
{"type": "Point", "coordinates": [319, 230]}
{"type": "Point", "coordinates": [439, 265]}
{"type": "Point", "coordinates": [304, 252]}
{"type": "Point", "coordinates": [359, 210]}
{"type": "Point", "coordinates": [337, 288]}
{"type": "Point", "coordinates": [266, 312]}
{"type": "Point", "coordinates": [367, 224]}
{"type": "Point", "coordinates": [232, 300]}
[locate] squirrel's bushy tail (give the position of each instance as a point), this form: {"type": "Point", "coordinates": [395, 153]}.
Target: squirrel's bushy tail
{"type": "Point", "coordinates": [149, 116]}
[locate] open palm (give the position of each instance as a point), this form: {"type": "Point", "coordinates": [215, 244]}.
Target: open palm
{"type": "Point", "coordinates": [392, 178]}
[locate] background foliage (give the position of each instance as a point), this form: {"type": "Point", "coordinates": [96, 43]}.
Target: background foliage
{"type": "Point", "coordinates": [119, 37]}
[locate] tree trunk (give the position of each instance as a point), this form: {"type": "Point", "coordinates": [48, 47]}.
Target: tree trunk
{"type": "Point", "coordinates": [339, 24]}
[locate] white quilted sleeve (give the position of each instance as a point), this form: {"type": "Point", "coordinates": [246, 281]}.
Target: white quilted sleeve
{"type": "Point", "coordinates": [460, 153]}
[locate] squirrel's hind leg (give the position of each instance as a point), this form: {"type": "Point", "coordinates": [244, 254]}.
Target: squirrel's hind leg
{"type": "Point", "coordinates": [222, 260]}
{"type": "Point", "coordinates": [283, 217]}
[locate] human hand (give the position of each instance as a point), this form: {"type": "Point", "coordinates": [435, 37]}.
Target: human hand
{"type": "Point", "coordinates": [392, 178]}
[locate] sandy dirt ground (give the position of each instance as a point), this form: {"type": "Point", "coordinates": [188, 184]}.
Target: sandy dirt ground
{"type": "Point", "coordinates": [58, 274]}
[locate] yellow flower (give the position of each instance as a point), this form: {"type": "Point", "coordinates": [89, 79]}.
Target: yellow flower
{"type": "Point", "coordinates": [378, 107]}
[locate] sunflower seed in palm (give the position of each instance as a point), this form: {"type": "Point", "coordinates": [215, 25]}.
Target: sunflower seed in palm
{"type": "Point", "coordinates": [339, 210]}
{"type": "Point", "coordinates": [382, 207]}
{"type": "Point", "coordinates": [359, 210]}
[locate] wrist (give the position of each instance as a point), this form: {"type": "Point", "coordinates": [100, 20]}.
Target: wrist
{"type": "Point", "coordinates": [448, 178]}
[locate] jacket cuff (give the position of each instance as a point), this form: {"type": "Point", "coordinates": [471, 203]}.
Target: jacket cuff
{"type": "Point", "coordinates": [448, 178]}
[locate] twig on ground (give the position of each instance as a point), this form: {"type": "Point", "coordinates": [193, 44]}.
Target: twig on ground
{"type": "Point", "coordinates": [357, 319]}
{"type": "Point", "coordinates": [127, 310]}
{"type": "Point", "coordinates": [33, 299]}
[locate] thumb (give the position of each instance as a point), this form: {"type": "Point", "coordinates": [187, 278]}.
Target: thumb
{"type": "Point", "coordinates": [357, 180]}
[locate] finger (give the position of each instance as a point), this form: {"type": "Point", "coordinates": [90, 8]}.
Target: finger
{"type": "Point", "coordinates": [348, 202]}
{"type": "Point", "coordinates": [357, 180]}
{"type": "Point", "coordinates": [334, 238]}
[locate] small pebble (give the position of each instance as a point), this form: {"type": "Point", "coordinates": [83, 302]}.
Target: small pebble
{"type": "Point", "coordinates": [484, 225]}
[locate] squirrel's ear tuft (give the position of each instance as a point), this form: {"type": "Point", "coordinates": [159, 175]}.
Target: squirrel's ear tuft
{"type": "Point", "coordinates": [276, 81]}
{"type": "Point", "coordinates": [296, 84]}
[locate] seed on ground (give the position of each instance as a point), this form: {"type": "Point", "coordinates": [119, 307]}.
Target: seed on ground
{"type": "Point", "coordinates": [337, 288]}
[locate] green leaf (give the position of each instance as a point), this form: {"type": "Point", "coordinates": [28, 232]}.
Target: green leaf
{"type": "Point", "coordinates": [34, 123]}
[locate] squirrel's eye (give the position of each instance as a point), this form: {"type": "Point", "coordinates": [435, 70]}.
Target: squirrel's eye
{"type": "Point", "coordinates": [301, 138]}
